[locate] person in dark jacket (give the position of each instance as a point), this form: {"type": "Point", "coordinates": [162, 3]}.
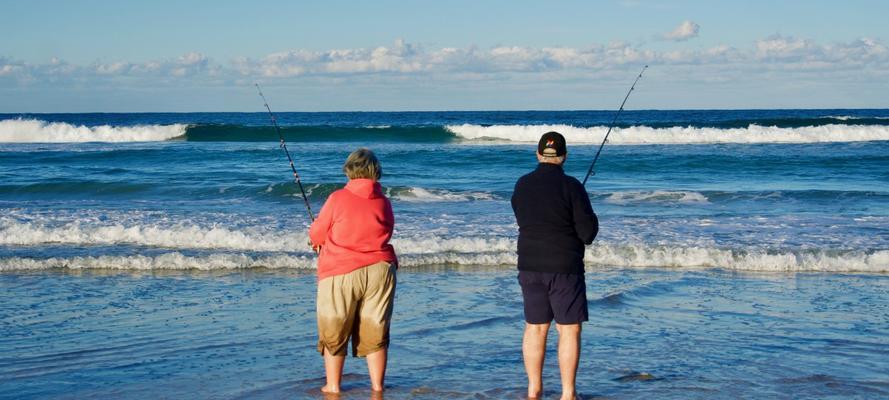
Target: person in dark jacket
{"type": "Point", "coordinates": [555, 221]}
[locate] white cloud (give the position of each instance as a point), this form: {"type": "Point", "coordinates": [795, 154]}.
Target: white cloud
{"type": "Point", "coordinates": [406, 61]}
{"type": "Point", "coordinates": [56, 70]}
{"type": "Point", "coordinates": [8, 67]}
{"type": "Point", "coordinates": [686, 30]}
{"type": "Point", "coordinates": [411, 59]}
{"type": "Point", "coordinates": [786, 48]}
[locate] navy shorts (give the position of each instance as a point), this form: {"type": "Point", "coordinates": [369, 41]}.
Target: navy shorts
{"type": "Point", "coordinates": [550, 295]}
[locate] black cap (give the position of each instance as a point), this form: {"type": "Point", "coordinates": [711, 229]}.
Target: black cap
{"type": "Point", "coordinates": [552, 144]}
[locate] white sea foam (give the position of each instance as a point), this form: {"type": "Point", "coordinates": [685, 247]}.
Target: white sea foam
{"type": "Point", "coordinates": [168, 261]}
{"type": "Point", "coordinates": [598, 256]}
{"type": "Point", "coordinates": [644, 256]}
{"type": "Point", "coordinates": [183, 236]}
{"type": "Point", "coordinates": [849, 117]}
{"type": "Point", "coordinates": [248, 247]}
{"type": "Point", "coordinates": [657, 196]}
{"type": "Point", "coordinates": [37, 131]}
{"type": "Point", "coordinates": [677, 134]}
{"type": "Point", "coordinates": [190, 237]}
{"type": "Point", "coordinates": [416, 194]}
{"type": "Point", "coordinates": [175, 237]}
{"type": "Point", "coordinates": [233, 249]}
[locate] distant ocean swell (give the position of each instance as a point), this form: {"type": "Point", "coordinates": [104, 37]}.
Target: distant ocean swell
{"type": "Point", "coordinates": [820, 130]}
{"type": "Point", "coordinates": [86, 188]}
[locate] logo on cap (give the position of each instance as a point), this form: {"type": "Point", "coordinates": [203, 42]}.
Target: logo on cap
{"type": "Point", "coordinates": [551, 144]}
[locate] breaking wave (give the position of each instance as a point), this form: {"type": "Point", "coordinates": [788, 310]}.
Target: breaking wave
{"type": "Point", "coordinates": [598, 256]}
{"type": "Point", "coordinates": [176, 236]}
{"type": "Point", "coordinates": [677, 134]}
{"type": "Point", "coordinates": [36, 131]}
{"type": "Point", "coordinates": [227, 248]}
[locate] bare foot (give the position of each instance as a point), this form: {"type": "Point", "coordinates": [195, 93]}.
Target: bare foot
{"type": "Point", "coordinates": [328, 390]}
{"type": "Point", "coordinates": [535, 395]}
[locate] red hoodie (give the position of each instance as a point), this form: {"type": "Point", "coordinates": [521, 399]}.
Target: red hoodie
{"type": "Point", "coordinates": [353, 229]}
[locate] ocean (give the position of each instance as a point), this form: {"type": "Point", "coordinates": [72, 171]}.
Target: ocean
{"type": "Point", "coordinates": [742, 253]}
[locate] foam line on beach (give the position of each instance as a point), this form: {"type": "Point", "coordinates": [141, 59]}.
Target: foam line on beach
{"type": "Point", "coordinates": [414, 249]}
{"type": "Point", "coordinates": [37, 131]}
{"type": "Point", "coordinates": [192, 236]}
{"type": "Point", "coordinates": [168, 261]}
{"type": "Point", "coordinates": [751, 259]}
{"type": "Point", "coordinates": [598, 256]}
{"type": "Point", "coordinates": [677, 134]}
{"type": "Point", "coordinates": [14, 233]}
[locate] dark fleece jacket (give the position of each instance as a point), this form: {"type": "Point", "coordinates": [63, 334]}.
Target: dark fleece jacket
{"type": "Point", "coordinates": [555, 221]}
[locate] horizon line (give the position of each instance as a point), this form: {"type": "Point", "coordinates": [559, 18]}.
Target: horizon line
{"type": "Point", "coordinates": [450, 110]}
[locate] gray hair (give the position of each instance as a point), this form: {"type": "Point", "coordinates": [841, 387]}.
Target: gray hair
{"type": "Point", "coordinates": [551, 159]}
{"type": "Point", "coordinates": [363, 163]}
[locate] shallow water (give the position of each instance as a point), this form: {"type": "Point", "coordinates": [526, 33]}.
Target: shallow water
{"type": "Point", "coordinates": [653, 333]}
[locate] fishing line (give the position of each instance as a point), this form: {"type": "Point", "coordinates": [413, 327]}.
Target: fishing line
{"type": "Point", "coordinates": [284, 146]}
{"type": "Point", "coordinates": [590, 171]}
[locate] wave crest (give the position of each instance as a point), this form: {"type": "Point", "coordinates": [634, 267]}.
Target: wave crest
{"type": "Point", "coordinates": [168, 261]}
{"type": "Point", "coordinates": [677, 134]}
{"type": "Point", "coordinates": [230, 248]}
{"type": "Point", "coordinates": [37, 131]}
{"type": "Point", "coordinates": [177, 236]}
{"type": "Point", "coordinates": [598, 256]}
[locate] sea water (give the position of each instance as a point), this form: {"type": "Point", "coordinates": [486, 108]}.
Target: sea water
{"type": "Point", "coordinates": [741, 253]}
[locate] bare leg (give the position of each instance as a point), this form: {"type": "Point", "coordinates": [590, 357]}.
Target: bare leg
{"type": "Point", "coordinates": [376, 368]}
{"type": "Point", "coordinates": [569, 355]}
{"type": "Point", "coordinates": [534, 350]}
{"type": "Point", "coordinates": [333, 366]}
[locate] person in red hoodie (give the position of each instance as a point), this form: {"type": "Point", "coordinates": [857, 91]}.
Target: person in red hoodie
{"type": "Point", "coordinates": [356, 271]}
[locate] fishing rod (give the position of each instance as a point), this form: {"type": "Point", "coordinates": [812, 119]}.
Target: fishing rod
{"type": "Point", "coordinates": [284, 146]}
{"type": "Point", "coordinates": [619, 110]}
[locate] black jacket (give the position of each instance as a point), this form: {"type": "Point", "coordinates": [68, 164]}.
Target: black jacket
{"type": "Point", "coordinates": [555, 221]}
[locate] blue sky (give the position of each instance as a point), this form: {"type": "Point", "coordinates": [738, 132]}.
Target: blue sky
{"type": "Point", "coordinates": [77, 56]}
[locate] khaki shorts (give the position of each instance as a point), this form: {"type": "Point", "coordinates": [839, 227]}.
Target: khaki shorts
{"type": "Point", "coordinates": [357, 304]}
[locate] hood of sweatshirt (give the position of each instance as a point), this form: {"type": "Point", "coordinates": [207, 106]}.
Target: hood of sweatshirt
{"type": "Point", "coordinates": [365, 188]}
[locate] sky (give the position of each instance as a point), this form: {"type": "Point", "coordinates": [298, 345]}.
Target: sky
{"type": "Point", "coordinates": [184, 56]}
